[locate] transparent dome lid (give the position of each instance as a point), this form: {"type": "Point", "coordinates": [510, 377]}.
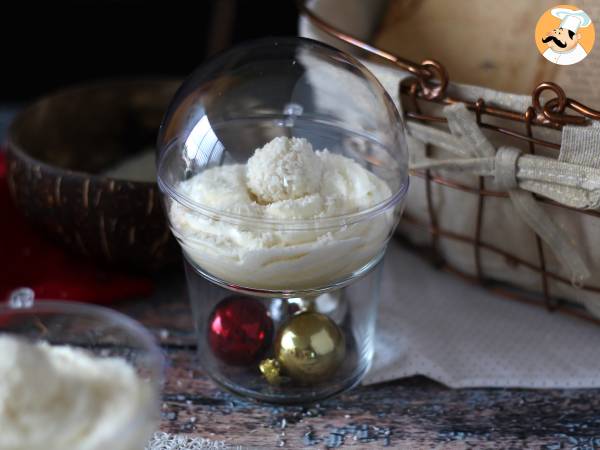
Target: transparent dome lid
{"type": "Point", "coordinates": [287, 87]}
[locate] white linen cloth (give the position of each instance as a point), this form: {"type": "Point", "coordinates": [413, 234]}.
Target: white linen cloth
{"type": "Point", "coordinates": [434, 324]}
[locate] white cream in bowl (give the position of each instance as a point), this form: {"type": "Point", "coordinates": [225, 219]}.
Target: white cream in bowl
{"type": "Point", "coordinates": [282, 183]}
{"type": "Point", "coordinates": [61, 397]}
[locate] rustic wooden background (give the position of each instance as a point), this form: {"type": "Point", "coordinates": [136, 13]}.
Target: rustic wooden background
{"type": "Point", "coordinates": [414, 413]}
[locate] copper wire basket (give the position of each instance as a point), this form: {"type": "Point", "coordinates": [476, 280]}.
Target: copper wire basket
{"type": "Point", "coordinates": [429, 83]}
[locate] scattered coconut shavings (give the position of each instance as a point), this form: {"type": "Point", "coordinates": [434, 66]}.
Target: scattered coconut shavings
{"type": "Point", "coordinates": [166, 441]}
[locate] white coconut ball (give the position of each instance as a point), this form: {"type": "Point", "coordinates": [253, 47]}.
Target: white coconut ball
{"type": "Point", "coordinates": [284, 169]}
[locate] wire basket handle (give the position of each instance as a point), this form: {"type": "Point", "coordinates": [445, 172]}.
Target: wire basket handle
{"type": "Point", "coordinates": [433, 81]}
{"type": "Point", "coordinates": [432, 75]}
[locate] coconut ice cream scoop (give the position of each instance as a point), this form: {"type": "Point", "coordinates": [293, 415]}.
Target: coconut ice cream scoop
{"type": "Point", "coordinates": [284, 169]}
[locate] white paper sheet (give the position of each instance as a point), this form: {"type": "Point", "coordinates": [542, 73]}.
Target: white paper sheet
{"type": "Point", "coordinates": [434, 324]}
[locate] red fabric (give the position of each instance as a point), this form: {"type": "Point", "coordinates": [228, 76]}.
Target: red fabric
{"type": "Point", "coordinates": [28, 259]}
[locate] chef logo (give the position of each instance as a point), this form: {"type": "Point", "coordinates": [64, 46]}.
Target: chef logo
{"type": "Point", "coordinates": [564, 35]}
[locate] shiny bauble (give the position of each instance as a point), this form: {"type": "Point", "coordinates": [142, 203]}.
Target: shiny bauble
{"type": "Point", "coordinates": [271, 370]}
{"type": "Point", "coordinates": [310, 347]}
{"type": "Point", "coordinates": [239, 330]}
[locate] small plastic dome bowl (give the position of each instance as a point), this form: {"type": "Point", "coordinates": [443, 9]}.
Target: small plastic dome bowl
{"type": "Point", "coordinates": [104, 333]}
{"type": "Point", "coordinates": [237, 103]}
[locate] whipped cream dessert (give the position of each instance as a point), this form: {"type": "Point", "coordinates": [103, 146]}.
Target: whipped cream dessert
{"type": "Point", "coordinates": [284, 181]}
{"type": "Point", "coordinates": [60, 397]}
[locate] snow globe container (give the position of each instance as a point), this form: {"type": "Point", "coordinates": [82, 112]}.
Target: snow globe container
{"type": "Point", "coordinates": [283, 168]}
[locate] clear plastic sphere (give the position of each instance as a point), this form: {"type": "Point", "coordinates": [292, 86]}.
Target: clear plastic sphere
{"type": "Point", "coordinates": [283, 167]}
{"type": "Point", "coordinates": [284, 87]}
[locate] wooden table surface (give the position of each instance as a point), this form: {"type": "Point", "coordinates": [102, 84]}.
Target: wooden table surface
{"type": "Point", "coordinates": [413, 413]}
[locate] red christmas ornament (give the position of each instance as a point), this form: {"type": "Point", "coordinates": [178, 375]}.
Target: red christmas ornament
{"type": "Point", "coordinates": [239, 330]}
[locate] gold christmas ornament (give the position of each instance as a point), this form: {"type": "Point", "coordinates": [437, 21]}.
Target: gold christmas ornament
{"type": "Point", "coordinates": [271, 370]}
{"type": "Point", "coordinates": [310, 347]}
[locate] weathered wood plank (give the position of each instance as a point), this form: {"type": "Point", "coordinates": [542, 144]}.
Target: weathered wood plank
{"type": "Point", "coordinates": [413, 413]}
{"type": "Point", "coordinates": [416, 413]}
